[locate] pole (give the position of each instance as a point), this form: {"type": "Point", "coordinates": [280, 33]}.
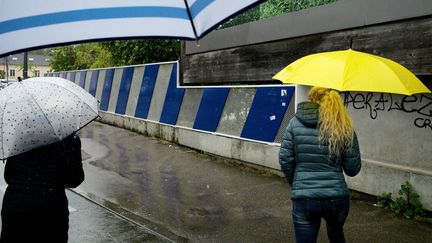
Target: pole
{"type": "Point", "coordinates": [25, 69]}
{"type": "Point", "coordinates": [7, 68]}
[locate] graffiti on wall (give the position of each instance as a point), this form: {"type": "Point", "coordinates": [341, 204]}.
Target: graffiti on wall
{"type": "Point", "coordinates": [420, 105]}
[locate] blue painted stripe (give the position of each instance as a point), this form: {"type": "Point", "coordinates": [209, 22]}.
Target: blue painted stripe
{"type": "Point", "coordinates": [125, 85]}
{"type": "Point", "coordinates": [82, 79]}
{"type": "Point", "coordinates": [266, 113]}
{"type": "Point", "coordinates": [106, 92]}
{"type": "Point", "coordinates": [210, 109]}
{"type": "Point", "coordinates": [92, 14]}
{"type": "Point", "coordinates": [199, 6]}
{"type": "Point", "coordinates": [173, 100]}
{"type": "Point", "coordinates": [73, 76]}
{"type": "Point", "coordinates": [146, 91]}
{"type": "Point", "coordinates": [93, 82]}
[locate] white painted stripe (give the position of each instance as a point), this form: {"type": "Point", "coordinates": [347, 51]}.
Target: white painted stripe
{"type": "Point", "coordinates": [115, 89]}
{"type": "Point", "coordinates": [159, 92]}
{"type": "Point", "coordinates": [135, 90]}
{"type": "Point", "coordinates": [77, 77]}
{"type": "Point", "coordinates": [87, 81]}
{"type": "Point", "coordinates": [100, 84]}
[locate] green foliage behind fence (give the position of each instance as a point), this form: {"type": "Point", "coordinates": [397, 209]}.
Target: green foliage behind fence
{"type": "Point", "coordinates": [273, 8]}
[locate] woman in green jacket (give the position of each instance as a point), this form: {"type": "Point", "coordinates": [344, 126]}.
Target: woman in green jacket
{"type": "Point", "coordinates": [319, 145]}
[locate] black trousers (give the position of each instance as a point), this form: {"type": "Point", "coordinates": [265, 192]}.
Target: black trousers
{"type": "Point", "coordinates": [34, 214]}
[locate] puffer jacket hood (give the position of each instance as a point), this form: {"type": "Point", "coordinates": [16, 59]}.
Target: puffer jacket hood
{"type": "Point", "coordinates": [308, 113]}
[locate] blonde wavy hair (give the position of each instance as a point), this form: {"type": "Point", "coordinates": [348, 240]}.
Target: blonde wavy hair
{"type": "Point", "coordinates": [334, 122]}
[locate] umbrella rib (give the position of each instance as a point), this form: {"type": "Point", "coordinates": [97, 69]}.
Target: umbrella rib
{"type": "Point", "coordinates": [40, 108]}
{"type": "Point", "coordinates": [190, 19]}
{"type": "Point", "coordinates": [75, 94]}
{"type": "Point", "coordinates": [342, 88]}
{"type": "Point", "coordinates": [70, 91]}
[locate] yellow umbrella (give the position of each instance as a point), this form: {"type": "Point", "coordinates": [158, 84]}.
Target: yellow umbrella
{"type": "Point", "coordinates": [352, 71]}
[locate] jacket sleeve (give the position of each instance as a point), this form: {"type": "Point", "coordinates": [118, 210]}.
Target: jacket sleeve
{"type": "Point", "coordinates": [352, 160]}
{"type": "Point", "coordinates": [287, 154]}
{"type": "Point", "coordinates": [74, 173]}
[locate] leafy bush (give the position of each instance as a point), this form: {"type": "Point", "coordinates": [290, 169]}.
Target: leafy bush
{"type": "Point", "coordinates": [385, 200]}
{"type": "Point", "coordinates": [407, 204]}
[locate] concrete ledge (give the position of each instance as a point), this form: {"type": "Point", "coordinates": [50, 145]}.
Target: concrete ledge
{"type": "Point", "coordinates": [377, 178]}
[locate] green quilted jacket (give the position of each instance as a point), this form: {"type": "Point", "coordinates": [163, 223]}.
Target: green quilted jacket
{"type": "Point", "coordinates": [306, 163]}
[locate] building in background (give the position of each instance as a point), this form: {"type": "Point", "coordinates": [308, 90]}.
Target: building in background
{"type": "Point", "coordinates": [38, 66]}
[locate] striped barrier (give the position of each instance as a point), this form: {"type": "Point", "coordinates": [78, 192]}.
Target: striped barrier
{"type": "Point", "coordinates": [150, 92]}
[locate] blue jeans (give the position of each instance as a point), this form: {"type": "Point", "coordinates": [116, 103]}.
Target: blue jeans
{"type": "Point", "coordinates": [307, 214]}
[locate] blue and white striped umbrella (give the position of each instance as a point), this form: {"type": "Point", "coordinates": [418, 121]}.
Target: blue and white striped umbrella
{"type": "Point", "coordinates": [28, 24]}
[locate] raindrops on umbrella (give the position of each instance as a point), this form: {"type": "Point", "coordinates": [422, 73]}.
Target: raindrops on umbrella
{"type": "Point", "coordinates": [40, 111]}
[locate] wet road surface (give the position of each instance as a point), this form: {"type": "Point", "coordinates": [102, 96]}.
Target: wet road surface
{"type": "Point", "coordinates": [189, 196]}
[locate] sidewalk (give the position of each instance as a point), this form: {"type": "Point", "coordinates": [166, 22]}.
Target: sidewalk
{"type": "Point", "coordinates": [186, 195]}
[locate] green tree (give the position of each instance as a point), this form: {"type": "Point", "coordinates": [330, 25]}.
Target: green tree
{"type": "Point", "coordinates": [64, 58]}
{"type": "Point", "coordinates": [92, 56]}
{"type": "Point", "coordinates": [113, 53]}
{"type": "Point", "coordinates": [30, 68]}
{"type": "Point", "coordinates": [76, 57]}
{"type": "Point", "coordinates": [142, 51]}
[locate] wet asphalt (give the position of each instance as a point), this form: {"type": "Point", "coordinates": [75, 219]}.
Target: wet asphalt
{"type": "Point", "coordinates": [142, 189]}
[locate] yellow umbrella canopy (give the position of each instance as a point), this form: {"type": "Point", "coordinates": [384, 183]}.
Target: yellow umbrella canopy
{"type": "Point", "coordinates": [351, 70]}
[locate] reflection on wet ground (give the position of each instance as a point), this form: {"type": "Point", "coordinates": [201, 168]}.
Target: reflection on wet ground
{"type": "Point", "coordinates": [181, 190]}
{"type": "Point", "coordinates": [183, 194]}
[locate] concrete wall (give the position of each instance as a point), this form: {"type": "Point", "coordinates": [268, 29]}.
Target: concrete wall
{"type": "Point", "coordinates": [395, 131]}
{"type": "Point", "coordinates": [395, 134]}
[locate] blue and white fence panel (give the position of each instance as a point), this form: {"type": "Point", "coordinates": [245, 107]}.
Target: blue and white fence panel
{"type": "Point", "coordinates": [255, 114]}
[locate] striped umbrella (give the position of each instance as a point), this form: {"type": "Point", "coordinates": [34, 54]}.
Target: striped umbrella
{"type": "Point", "coordinates": [26, 25]}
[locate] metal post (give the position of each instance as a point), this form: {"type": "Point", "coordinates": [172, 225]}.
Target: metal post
{"type": "Point", "coordinates": [25, 69]}
{"type": "Point", "coordinates": [7, 68]}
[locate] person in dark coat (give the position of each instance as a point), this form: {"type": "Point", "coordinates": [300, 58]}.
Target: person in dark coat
{"type": "Point", "coordinates": [318, 147]}
{"type": "Point", "coordinates": [35, 207]}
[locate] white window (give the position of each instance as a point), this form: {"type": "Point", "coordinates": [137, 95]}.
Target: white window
{"type": "Point", "coordinates": [14, 58]}
{"type": "Point", "coordinates": [31, 59]}
{"type": "Point", "coordinates": [12, 72]}
{"type": "Point", "coordinates": [36, 73]}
